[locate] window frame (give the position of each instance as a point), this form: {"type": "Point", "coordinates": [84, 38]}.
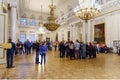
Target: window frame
{"type": "Point", "coordinates": [32, 22]}
{"type": "Point", "coordinates": [23, 21]}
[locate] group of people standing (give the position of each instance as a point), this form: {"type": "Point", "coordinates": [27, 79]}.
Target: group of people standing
{"type": "Point", "coordinates": [24, 48]}
{"type": "Point", "coordinates": [40, 48]}
{"type": "Point", "coordinates": [77, 50]}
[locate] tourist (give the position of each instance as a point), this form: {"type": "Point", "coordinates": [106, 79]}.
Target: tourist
{"type": "Point", "coordinates": [10, 54]}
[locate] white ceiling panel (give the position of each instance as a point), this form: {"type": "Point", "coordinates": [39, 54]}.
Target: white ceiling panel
{"type": "Point", "coordinates": [62, 6]}
{"type": "Point", "coordinates": [35, 5]}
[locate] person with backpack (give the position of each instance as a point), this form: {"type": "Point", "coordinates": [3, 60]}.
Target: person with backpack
{"type": "Point", "coordinates": [43, 50]}
{"type": "Point", "coordinates": [28, 44]}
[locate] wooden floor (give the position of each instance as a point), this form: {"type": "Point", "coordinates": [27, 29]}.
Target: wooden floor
{"type": "Point", "coordinates": [105, 66]}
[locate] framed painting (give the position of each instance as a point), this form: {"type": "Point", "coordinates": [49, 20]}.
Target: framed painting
{"type": "Point", "coordinates": [99, 33]}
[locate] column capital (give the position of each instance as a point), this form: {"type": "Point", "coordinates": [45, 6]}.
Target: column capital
{"type": "Point", "coordinates": [13, 3]}
{"type": "Point", "coordinates": [11, 6]}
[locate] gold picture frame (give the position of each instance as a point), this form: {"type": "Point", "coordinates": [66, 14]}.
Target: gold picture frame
{"type": "Point", "coordinates": [99, 33]}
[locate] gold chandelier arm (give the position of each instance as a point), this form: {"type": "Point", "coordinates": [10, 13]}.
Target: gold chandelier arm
{"type": "Point", "coordinates": [52, 2]}
{"type": "Point", "coordinates": [52, 7]}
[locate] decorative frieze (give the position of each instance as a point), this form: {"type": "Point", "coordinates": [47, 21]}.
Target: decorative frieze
{"type": "Point", "coordinates": [98, 21]}
{"type": "Point", "coordinates": [110, 6]}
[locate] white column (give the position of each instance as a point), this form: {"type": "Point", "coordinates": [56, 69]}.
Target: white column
{"type": "Point", "coordinates": [13, 24]}
{"type": "Point", "coordinates": [65, 34]}
{"type": "Point", "coordinates": [9, 23]}
{"type": "Point", "coordinates": [84, 37]}
{"type": "Point", "coordinates": [60, 35]}
{"type": "Point", "coordinates": [74, 32]}
{"type": "Point", "coordinates": [80, 32]}
{"type": "Point", "coordinates": [92, 29]}
{"type": "Point", "coordinates": [89, 32]}
{"type": "Point", "coordinates": [83, 32]}
{"type": "Point", "coordinates": [71, 33]}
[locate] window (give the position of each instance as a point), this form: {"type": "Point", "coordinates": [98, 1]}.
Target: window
{"type": "Point", "coordinates": [32, 22]}
{"type": "Point", "coordinates": [32, 37]}
{"type": "Point", "coordinates": [22, 37]}
{"type": "Point", "coordinates": [23, 21]}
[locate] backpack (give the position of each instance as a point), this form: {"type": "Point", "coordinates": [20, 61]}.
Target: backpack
{"type": "Point", "coordinates": [42, 48]}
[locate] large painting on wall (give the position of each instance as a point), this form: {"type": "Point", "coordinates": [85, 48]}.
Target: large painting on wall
{"type": "Point", "coordinates": [99, 33]}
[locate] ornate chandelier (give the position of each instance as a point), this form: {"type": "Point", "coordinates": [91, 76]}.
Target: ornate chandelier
{"type": "Point", "coordinates": [87, 9]}
{"type": "Point", "coordinates": [41, 30]}
{"type": "Point", "coordinates": [51, 26]}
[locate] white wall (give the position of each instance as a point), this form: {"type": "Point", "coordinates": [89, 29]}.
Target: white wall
{"type": "Point", "coordinates": [112, 28]}
{"type": "Point", "coordinates": [3, 35]}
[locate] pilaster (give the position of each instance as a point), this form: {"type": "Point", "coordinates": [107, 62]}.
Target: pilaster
{"type": "Point", "coordinates": [13, 23]}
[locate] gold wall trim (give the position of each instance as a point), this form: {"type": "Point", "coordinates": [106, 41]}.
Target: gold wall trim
{"type": "Point", "coordinates": [104, 31]}
{"type": "Point", "coordinates": [4, 35]}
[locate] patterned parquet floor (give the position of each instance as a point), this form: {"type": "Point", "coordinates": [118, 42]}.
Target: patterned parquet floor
{"type": "Point", "coordinates": [105, 66]}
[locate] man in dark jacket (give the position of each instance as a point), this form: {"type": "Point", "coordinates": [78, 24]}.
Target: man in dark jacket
{"type": "Point", "coordinates": [10, 54]}
{"type": "Point", "coordinates": [37, 46]}
{"type": "Point", "coordinates": [28, 44]}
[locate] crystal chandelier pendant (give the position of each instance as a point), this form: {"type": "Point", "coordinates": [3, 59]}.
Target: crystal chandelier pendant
{"type": "Point", "coordinates": [41, 29]}
{"type": "Point", "coordinates": [87, 9]}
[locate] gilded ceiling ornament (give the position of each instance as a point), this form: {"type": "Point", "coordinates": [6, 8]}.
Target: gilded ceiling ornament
{"type": "Point", "coordinates": [87, 9]}
{"type": "Point", "coordinates": [51, 26]}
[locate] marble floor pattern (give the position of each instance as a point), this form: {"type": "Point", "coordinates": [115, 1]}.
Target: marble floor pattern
{"type": "Point", "coordinates": [105, 66]}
